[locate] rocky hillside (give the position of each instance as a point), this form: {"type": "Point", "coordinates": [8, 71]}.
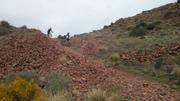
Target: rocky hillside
{"type": "Point", "coordinates": [147, 44]}
{"type": "Point", "coordinates": [29, 49]}
{"type": "Point", "coordinates": [162, 27]}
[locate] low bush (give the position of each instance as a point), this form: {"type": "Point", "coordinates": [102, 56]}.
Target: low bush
{"type": "Point", "coordinates": [177, 60]}
{"type": "Point", "coordinates": [5, 24]}
{"type": "Point", "coordinates": [97, 95]}
{"type": "Point", "coordinates": [158, 63]}
{"type": "Point", "coordinates": [105, 27]}
{"type": "Point", "coordinates": [104, 95]}
{"type": "Point", "coordinates": [138, 31]}
{"type": "Point", "coordinates": [115, 57]}
{"type": "Point", "coordinates": [60, 37]}
{"type": "Point", "coordinates": [60, 96]}
{"type": "Point", "coordinates": [56, 83]}
{"type": "Point", "coordinates": [24, 27]}
{"type": "Point", "coordinates": [129, 27]}
{"type": "Point", "coordinates": [177, 73]}
{"type": "Point", "coordinates": [141, 24]}
{"type": "Point", "coordinates": [4, 31]}
{"type": "Point", "coordinates": [20, 90]}
{"type": "Point", "coordinates": [151, 26]}
{"type": "Point", "coordinates": [141, 28]}
{"type": "Point", "coordinates": [27, 75]}
{"type": "Point", "coordinates": [115, 97]}
{"type": "Point", "coordinates": [177, 24]}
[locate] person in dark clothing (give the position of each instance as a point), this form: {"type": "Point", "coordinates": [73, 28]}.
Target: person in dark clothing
{"type": "Point", "coordinates": [67, 36]}
{"type": "Point", "coordinates": [49, 32]}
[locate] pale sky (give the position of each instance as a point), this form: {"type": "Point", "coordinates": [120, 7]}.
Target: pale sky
{"type": "Point", "coordinates": [74, 16]}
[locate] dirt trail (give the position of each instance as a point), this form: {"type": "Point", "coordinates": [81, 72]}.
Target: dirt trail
{"type": "Point", "coordinates": [34, 51]}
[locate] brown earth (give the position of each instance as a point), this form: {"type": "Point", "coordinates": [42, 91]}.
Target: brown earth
{"type": "Point", "coordinates": [34, 51]}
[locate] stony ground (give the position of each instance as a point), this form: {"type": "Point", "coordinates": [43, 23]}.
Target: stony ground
{"type": "Point", "coordinates": [34, 51]}
{"type": "Point", "coordinates": [149, 55]}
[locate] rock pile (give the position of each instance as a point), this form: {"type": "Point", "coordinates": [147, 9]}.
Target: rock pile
{"type": "Point", "coordinates": [143, 56]}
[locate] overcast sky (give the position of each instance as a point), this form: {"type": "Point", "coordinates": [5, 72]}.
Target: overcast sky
{"type": "Point", "coordinates": [74, 16]}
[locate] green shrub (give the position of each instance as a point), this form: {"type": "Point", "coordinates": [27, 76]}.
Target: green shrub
{"type": "Point", "coordinates": [5, 24]}
{"type": "Point", "coordinates": [5, 28]}
{"type": "Point", "coordinates": [27, 75]}
{"type": "Point", "coordinates": [141, 28]}
{"type": "Point", "coordinates": [20, 90]}
{"type": "Point", "coordinates": [56, 83]}
{"type": "Point", "coordinates": [158, 63]}
{"type": "Point", "coordinates": [24, 27]}
{"type": "Point", "coordinates": [105, 27]}
{"type": "Point", "coordinates": [138, 31]}
{"type": "Point", "coordinates": [141, 24]}
{"type": "Point", "coordinates": [151, 26]}
{"type": "Point", "coordinates": [60, 37]}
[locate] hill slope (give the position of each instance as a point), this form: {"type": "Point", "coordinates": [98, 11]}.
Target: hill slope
{"type": "Point", "coordinates": [27, 49]}
{"type": "Point", "coordinates": [30, 49]}
{"type": "Point", "coordinates": [153, 51]}
{"type": "Point", "coordinates": [162, 28]}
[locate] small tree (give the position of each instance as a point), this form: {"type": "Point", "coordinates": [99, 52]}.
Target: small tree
{"type": "Point", "coordinates": [178, 1]}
